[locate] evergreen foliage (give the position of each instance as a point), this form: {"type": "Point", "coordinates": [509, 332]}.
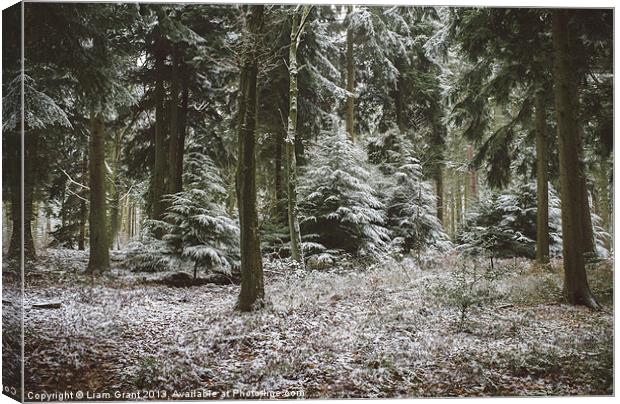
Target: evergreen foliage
{"type": "Point", "coordinates": [504, 223]}
{"type": "Point", "coordinates": [340, 201]}
{"type": "Point", "coordinates": [196, 224]}
{"type": "Point", "coordinates": [411, 201]}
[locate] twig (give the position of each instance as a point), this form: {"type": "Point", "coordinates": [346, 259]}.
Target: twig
{"type": "Point", "coordinates": [71, 180]}
{"type": "Point", "coordinates": [76, 195]}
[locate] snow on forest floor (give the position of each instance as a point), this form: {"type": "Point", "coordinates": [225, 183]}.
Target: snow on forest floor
{"type": "Point", "coordinates": [391, 330]}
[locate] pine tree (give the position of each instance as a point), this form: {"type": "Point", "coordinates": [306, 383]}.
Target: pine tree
{"type": "Point", "coordinates": [503, 223]}
{"type": "Point", "coordinates": [341, 208]}
{"type": "Point", "coordinates": [41, 113]}
{"type": "Point", "coordinates": [576, 286]}
{"type": "Point", "coordinates": [196, 226]}
{"type": "Point", "coordinates": [411, 202]}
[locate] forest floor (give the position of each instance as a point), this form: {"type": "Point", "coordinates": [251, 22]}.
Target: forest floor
{"type": "Point", "coordinates": [390, 330]}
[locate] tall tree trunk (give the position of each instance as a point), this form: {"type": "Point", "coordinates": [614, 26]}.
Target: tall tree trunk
{"type": "Point", "coordinates": [576, 286]}
{"type": "Point", "coordinates": [473, 181]}
{"type": "Point", "coordinates": [115, 205]}
{"type": "Point", "coordinates": [453, 215]}
{"type": "Point", "coordinates": [279, 189]}
{"type": "Point", "coordinates": [157, 180]}
{"type": "Point", "coordinates": [83, 206]}
{"type": "Point", "coordinates": [589, 247]}
{"type": "Point", "coordinates": [604, 203]}
{"type": "Point", "coordinates": [13, 147]}
{"type": "Point", "coordinates": [398, 105]}
{"type": "Point", "coordinates": [291, 163]}
{"type": "Point", "coordinates": [98, 260]}
{"type": "Point", "coordinates": [542, 183]}
{"type": "Point", "coordinates": [173, 144]}
{"type": "Point", "coordinates": [182, 130]}
{"type": "Point", "coordinates": [252, 291]}
{"type": "Point", "coordinates": [439, 191]}
{"type": "Point", "coordinates": [438, 144]}
{"type": "Point", "coordinates": [31, 139]}
{"type": "Point", "coordinates": [350, 82]}
{"type": "Point", "coordinates": [459, 200]}
{"type": "Point", "coordinates": [129, 220]}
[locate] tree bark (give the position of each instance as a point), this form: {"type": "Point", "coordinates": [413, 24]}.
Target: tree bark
{"type": "Point", "coordinates": [439, 191]}
{"type": "Point", "coordinates": [83, 206]}
{"type": "Point", "coordinates": [473, 181]}
{"type": "Point", "coordinates": [576, 286]}
{"type": "Point", "coordinates": [350, 117]}
{"type": "Point", "coordinates": [459, 201]}
{"type": "Point", "coordinates": [98, 260]}
{"type": "Point", "coordinates": [398, 104]}
{"type": "Point", "coordinates": [542, 183]}
{"type": "Point", "coordinates": [589, 247]}
{"type": "Point", "coordinates": [453, 215]}
{"type": "Point", "coordinates": [157, 181]}
{"type": "Point", "coordinates": [30, 172]}
{"type": "Point", "coordinates": [173, 144]}
{"type": "Point", "coordinates": [182, 131]}
{"type": "Point", "coordinates": [252, 292]}
{"type": "Point", "coordinates": [279, 189]}
{"type": "Point", "coordinates": [13, 146]}
{"type": "Point", "coordinates": [291, 162]}
{"type": "Point", "coordinates": [438, 145]}
{"type": "Point", "coordinates": [604, 203]}
{"type": "Point", "coordinates": [115, 205]}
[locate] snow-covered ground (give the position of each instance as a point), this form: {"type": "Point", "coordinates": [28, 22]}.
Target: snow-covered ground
{"type": "Point", "coordinates": [391, 330]}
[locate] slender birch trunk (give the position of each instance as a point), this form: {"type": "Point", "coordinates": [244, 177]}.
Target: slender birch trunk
{"type": "Point", "coordinates": [291, 163]}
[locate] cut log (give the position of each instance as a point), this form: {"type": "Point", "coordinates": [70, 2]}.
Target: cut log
{"type": "Point", "coordinates": [184, 280]}
{"type": "Point", "coordinates": [47, 305]}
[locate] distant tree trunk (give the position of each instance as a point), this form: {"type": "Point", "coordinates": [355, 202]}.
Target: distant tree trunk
{"type": "Point", "coordinates": [350, 82]}
{"type": "Point", "coordinates": [453, 212]}
{"type": "Point", "coordinates": [473, 181]}
{"type": "Point", "coordinates": [99, 260]}
{"type": "Point", "coordinates": [83, 206]}
{"type": "Point", "coordinates": [576, 286]}
{"type": "Point", "coordinates": [293, 220]}
{"type": "Point", "coordinates": [589, 247]}
{"type": "Point", "coordinates": [398, 105]}
{"type": "Point", "coordinates": [129, 220]}
{"type": "Point", "coordinates": [439, 191]}
{"type": "Point", "coordinates": [437, 142]}
{"type": "Point", "coordinates": [459, 200]}
{"type": "Point", "coordinates": [542, 183]}
{"type": "Point", "coordinates": [279, 191]}
{"type": "Point", "coordinates": [158, 177]}
{"type": "Point", "coordinates": [604, 203]}
{"type": "Point", "coordinates": [173, 144]}
{"type": "Point", "coordinates": [182, 132]}
{"type": "Point", "coordinates": [252, 291]}
{"type": "Point", "coordinates": [21, 217]}
{"type": "Point", "coordinates": [115, 205]}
